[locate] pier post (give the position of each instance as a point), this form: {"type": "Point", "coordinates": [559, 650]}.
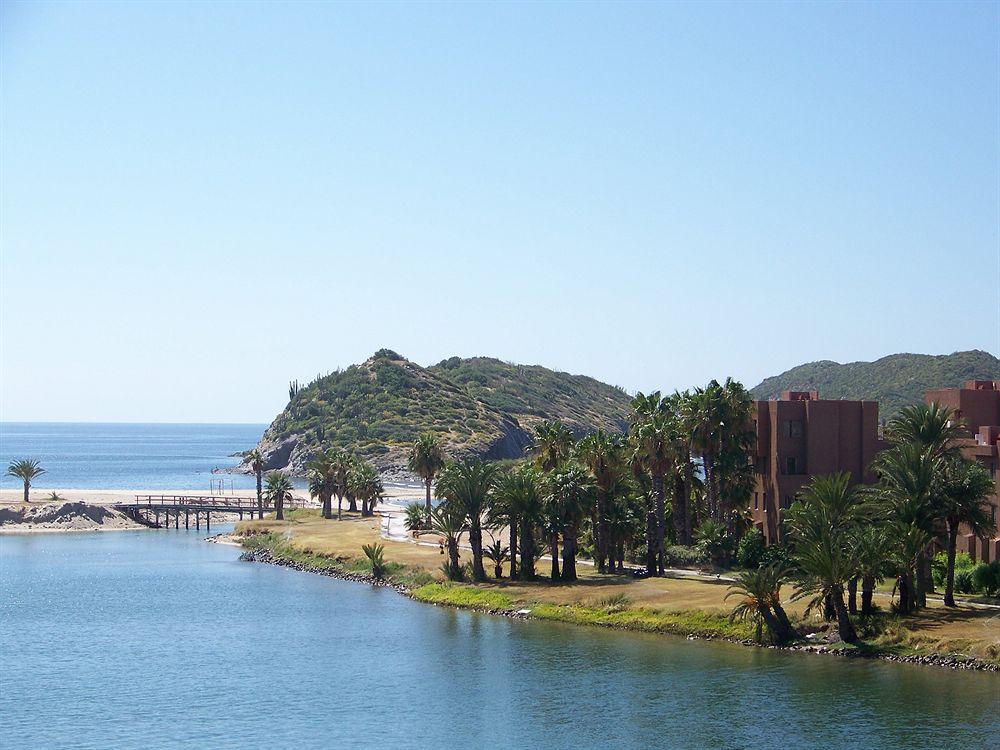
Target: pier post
{"type": "Point", "coordinates": [186, 525]}
{"type": "Point", "coordinates": [156, 515]}
{"type": "Point", "coordinates": [197, 520]}
{"type": "Point", "coordinates": [208, 520]}
{"type": "Point", "coordinates": [177, 517]}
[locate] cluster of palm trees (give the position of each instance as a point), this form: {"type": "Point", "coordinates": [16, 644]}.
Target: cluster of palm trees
{"type": "Point", "coordinates": [839, 535]}
{"type": "Point", "coordinates": [338, 473]}
{"type": "Point", "coordinates": [605, 492]}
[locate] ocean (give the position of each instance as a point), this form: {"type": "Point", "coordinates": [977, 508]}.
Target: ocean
{"type": "Point", "coordinates": [128, 456]}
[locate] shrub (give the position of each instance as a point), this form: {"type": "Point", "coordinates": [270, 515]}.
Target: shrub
{"type": "Point", "coordinates": [678, 556]}
{"type": "Point", "coordinates": [376, 558]}
{"type": "Point", "coordinates": [963, 581]}
{"type": "Point", "coordinates": [714, 542]}
{"type": "Point", "coordinates": [986, 578]}
{"type": "Point", "coordinates": [939, 565]}
{"type": "Point", "coordinates": [750, 550]}
{"type": "Point", "coordinates": [614, 603]}
{"type": "Point", "coordinates": [416, 517]}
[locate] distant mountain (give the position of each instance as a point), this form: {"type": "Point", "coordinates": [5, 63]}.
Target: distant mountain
{"type": "Point", "coordinates": [481, 407]}
{"type": "Point", "coordinates": [895, 381]}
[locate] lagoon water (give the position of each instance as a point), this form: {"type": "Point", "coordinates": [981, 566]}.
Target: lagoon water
{"type": "Point", "coordinates": [128, 456]}
{"type": "Point", "coordinates": [160, 640]}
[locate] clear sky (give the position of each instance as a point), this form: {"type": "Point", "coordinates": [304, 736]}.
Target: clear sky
{"type": "Point", "coordinates": [201, 202]}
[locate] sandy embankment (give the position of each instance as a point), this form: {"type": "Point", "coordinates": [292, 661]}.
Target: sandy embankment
{"type": "Point", "coordinates": [89, 510]}
{"type": "Point", "coordinates": [68, 516]}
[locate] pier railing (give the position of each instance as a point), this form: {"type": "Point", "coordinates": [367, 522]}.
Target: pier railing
{"type": "Point", "coordinates": [213, 502]}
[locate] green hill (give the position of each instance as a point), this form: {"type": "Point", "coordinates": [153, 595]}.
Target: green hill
{"type": "Point", "coordinates": [894, 381]}
{"type": "Point", "coordinates": [481, 407]}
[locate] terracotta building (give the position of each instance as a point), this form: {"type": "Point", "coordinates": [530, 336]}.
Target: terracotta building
{"type": "Point", "coordinates": [977, 404]}
{"type": "Point", "coordinates": [801, 435]}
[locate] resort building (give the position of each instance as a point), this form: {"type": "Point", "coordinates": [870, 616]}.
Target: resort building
{"type": "Point", "coordinates": [977, 404]}
{"type": "Point", "coordinates": [801, 435]}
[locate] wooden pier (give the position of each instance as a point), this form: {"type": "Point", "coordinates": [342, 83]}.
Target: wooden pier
{"type": "Point", "coordinates": [147, 509]}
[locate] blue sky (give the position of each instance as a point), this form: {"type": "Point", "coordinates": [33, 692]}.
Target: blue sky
{"type": "Point", "coordinates": [201, 202]}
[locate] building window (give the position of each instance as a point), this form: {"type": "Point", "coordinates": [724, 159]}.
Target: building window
{"type": "Point", "coordinates": [794, 428]}
{"type": "Point", "coordinates": [790, 465]}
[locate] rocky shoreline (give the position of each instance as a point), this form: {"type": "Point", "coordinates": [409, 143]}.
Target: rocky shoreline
{"type": "Point", "coordinates": [264, 555]}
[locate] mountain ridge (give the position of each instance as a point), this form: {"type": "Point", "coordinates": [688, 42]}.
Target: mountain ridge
{"type": "Point", "coordinates": [895, 381]}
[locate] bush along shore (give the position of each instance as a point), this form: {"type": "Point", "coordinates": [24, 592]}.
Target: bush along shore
{"type": "Point", "coordinates": [615, 612]}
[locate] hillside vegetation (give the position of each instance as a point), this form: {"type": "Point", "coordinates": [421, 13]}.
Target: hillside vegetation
{"type": "Point", "coordinates": [481, 406]}
{"type": "Point", "coordinates": [895, 381]}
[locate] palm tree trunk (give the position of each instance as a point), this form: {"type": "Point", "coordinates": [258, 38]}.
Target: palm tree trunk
{"type": "Point", "coordinates": [604, 551]}
{"type": "Point", "coordinates": [427, 487]}
{"type": "Point", "coordinates": [688, 483]}
{"type": "Point", "coordinates": [512, 532]}
{"type": "Point", "coordinates": [554, 548]}
{"type": "Point", "coordinates": [773, 626]}
{"type": "Point", "coordinates": [867, 592]}
{"type": "Point", "coordinates": [949, 586]}
{"type": "Point", "coordinates": [569, 553]}
{"type": "Point", "coordinates": [852, 595]}
{"type": "Point", "coordinates": [327, 505]}
{"type": "Point", "coordinates": [279, 509]}
{"type": "Point", "coordinates": [651, 556]}
{"type": "Point", "coordinates": [476, 542]}
{"type": "Point", "coordinates": [713, 500]}
{"type": "Point", "coordinates": [340, 502]}
{"type": "Point", "coordinates": [27, 484]}
{"type": "Point", "coordinates": [527, 569]}
{"type": "Point", "coordinates": [658, 496]}
{"type": "Point", "coordinates": [906, 592]}
{"type": "Point", "coordinates": [352, 503]}
{"type": "Point", "coordinates": [845, 628]}
{"type": "Point", "coordinates": [453, 566]}
{"type": "Point", "coordinates": [260, 496]}
{"type": "Point", "coordinates": [784, 632]}
{"type": "Point", "coordinates": [924, 582]}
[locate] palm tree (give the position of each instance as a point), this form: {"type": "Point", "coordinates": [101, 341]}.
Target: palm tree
{"type": "Point", "coordinates": [323, 480]}
{"type": "Point", "coordinates": [469, 485]}
{"type": "Point", "coordinates": [448, 519]}
{"type": "Point", "coordinates": [909, 476]}
{"type": "Point", "coordinates": [415, 519]}
{"type": "Point", "coordinates": [427, 460]}
{"type": "Point", "coordinates": [25, 469]}
{"type": "Point", "coordinates": [760, 592]}
{"type": "Point", "coordinates": [341, 463]}
{"type": "Point", "coordinates": [518, 498]}
{"type": "Point", "coordinates": [256, 460]}
{"type": "Point", "coordinates": [569, 493]}
{"type": "Point", "coordinates": [871, 546]}
{"type": "Point", "coordinates": [820, 523]}
{"type": "Point", "coordinates": [552, 445]}
{"type": "Point", "coordinates": [703, 419]}
{"type": "Point", "coordinates": [601, 454]}
{"type": "Point", "coordinates": [496, 553]}
{"type": "Point", "coordinates": [653, 443]}
{"type": "Point", "coordinates": [277, 492]}
{"type": "Point", "coordinates": [934, 430]}
{"type": "Point", "coordinates": [930, 425]}
{"type": "Point", "coordinates": [965, 487]}
{"type": "Point", "coordinates": [365, 484]}
{"type": "Point", "coordinates": [376, 559]}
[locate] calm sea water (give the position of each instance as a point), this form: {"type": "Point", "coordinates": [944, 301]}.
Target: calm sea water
{"type": "Point", "coordinates": [159, 640]}
{"type": "Point", "coordinates": [128, 456]}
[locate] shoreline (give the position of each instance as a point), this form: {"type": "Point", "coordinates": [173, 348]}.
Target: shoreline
{"type": "Point", "coordinates": [264, 555]}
